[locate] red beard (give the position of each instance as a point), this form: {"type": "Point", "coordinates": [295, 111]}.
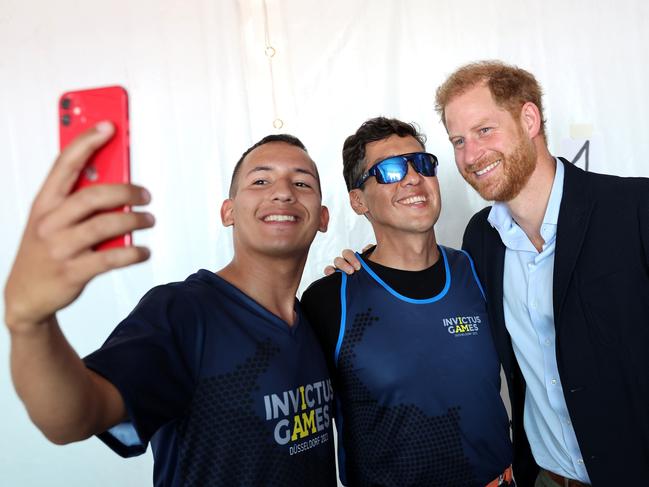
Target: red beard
{"type": "Point", "coordinates": [516, 169]}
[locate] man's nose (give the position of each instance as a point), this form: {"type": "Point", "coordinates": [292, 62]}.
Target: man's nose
{"type": "Point", "coordinates": [412, 176]}
{"type": "Point", "coordinates": [473, 151]}
{"type": "Point", "coordinates": [284, 190]}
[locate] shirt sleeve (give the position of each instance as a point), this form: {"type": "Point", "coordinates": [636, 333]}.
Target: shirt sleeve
{"type": "Point", "coordinates": [321, 306]}
{"type": "Point", "coordinates": [150, 358]}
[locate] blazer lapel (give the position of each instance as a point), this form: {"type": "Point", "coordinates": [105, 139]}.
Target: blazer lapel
{"type": "Point", "coordinates": [495, 267]}
{"type": "Point", "coordinates": [574, 214]}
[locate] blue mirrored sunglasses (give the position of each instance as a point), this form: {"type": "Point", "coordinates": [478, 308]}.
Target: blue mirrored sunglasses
{"type": "Point", "coordinates": [394, 169]}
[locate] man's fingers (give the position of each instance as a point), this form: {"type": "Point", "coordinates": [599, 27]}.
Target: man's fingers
{"type": "Point", "coordinates": [348, 263]}
{"type": "Point", "coordinates": [366, 248]}
{"type": "Point", "coordinates": [69, 164]}
{"type": "Point", "coordinates": [329, 270]}
{"type": "Point", "coordinates": [90, 200]}
{"type": "Point", "coordinates": [82, 269]}
{"type": "Point", "coordinates": [95, 230]}
{"type": "Point", "coordinates": [350, 257]}
{"type": "Point", "coordinates": [343, 265]}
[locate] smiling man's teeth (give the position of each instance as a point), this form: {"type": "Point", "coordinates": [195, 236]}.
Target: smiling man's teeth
{"type": "Point", "coordinates": [488, 168]}
{"type": "Point", "coordinates": [413, 200]}
{"type": "Point", "coordinates": [279, 218]}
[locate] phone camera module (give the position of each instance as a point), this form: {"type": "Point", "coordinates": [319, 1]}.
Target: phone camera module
{"type": "Point", "coordinates": [90, 173]}
{"type": "Point", "coordinates": [65, 120]}
{"type": "Point", "coordinates": [65, 103]}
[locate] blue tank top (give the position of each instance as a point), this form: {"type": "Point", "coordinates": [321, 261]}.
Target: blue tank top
{"type": "Point", "coordinates": [419, 384]}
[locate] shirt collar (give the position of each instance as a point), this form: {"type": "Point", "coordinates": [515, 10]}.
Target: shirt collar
{"type": "Point", "coordinates": [552, 212]}
{"type": "Point", "coordinates": [501, 219]}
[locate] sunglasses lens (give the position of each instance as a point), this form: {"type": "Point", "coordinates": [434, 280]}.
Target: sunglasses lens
{"type": "Point", "coordinates": [394, 169]}
{"type": "Point", "coordinates": [391, 170]}
{"type": "Point", "coordinates": [425, 164]}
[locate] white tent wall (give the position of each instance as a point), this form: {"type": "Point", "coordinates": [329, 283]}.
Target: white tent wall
{"type": "Point", "coordinates": [202, 90]}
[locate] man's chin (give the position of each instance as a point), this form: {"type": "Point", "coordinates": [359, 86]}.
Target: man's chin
{"type": "Point", "coordinates": [486, 193]}
{"type": "Point", "coordinates": [284, 250]}
{"type": "Point", "coordinates": [501, 193]}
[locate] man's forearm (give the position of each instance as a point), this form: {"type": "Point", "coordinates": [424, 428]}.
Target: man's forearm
{"type": "Point", "coordinates": [67, 401]}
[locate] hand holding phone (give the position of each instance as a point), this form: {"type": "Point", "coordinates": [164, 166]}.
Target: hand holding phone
{"type": "Point", "coordinates": [82, 109]}
{"type": "Point", "coordinates": [56, 259]}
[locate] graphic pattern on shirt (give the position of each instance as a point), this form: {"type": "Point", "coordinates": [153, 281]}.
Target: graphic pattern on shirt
{"type": "Point", "coordinates": [229, 397]}
{"type": "Point", "coordinates": [223, 390]}
{"type": "Point", "coordinates": [426, 463]}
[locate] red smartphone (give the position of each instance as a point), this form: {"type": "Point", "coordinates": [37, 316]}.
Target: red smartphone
{"type": "Point", "coordinates": [78, 111]}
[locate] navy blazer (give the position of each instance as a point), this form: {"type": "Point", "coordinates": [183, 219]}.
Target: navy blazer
{"type": "Point", "coordinates": [601, 316]}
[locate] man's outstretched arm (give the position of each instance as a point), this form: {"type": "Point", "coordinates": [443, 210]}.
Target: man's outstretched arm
{"type": "Point", "coordinates": [55, 261]}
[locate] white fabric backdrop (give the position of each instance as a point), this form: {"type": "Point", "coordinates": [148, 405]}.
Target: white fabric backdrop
{"type": "Point", "coordinates": [202, 91]}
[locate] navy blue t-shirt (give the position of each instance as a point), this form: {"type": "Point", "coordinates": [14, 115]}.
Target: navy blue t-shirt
{"type": "Point", "coordinates": [418, 384]}
{"type": "Point", "coordinates": [225, 391]}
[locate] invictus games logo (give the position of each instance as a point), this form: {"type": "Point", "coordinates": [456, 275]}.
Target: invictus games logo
{"type": "Point", "coordinates": [301, 414]}
{"type": "Point", "coordinates": [461, 326]}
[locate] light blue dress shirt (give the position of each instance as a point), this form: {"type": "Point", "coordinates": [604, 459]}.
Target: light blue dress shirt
{"type": "Point", "coordinates": [529, 318]}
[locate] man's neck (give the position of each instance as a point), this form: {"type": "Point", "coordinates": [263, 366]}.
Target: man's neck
{"type": "Point", "coordinates": [406, 251]}
{"type": "Point", "coordinates": [271, 281]}
{"type": "Point", "coordinates": [530, 205]}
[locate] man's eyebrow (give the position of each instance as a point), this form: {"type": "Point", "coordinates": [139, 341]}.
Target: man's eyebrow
{"type": "Point", "coordinates": [306, 171]}
{"type": "Point", "coordinates": [270, 168]}
{"type": "Point", "coordinates": [383, 158]}
{"type": "Point", "coordinates": [260, 168]}
{"type": "Point", "coordinates": [482, 122]}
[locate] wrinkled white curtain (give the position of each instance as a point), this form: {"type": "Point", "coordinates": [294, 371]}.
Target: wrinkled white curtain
{"type": "Point", "coordinates": [203, 88]}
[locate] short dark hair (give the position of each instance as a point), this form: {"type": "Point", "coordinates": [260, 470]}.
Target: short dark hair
{"type": "Point", "coordinates": [377, 128]}
{"type": "Point", "coordinates": [286, 138]}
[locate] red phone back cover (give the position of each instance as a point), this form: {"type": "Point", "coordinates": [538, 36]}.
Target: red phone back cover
{"type": "Point", "coordinates": [82, 109]}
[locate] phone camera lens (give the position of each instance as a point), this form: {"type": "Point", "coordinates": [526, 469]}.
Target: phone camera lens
{"type": "Point", "coordinates": [90, 173]}
{"type": "Point", "coordinates": [65, 120]}
{"type": "Point", "coordinates": [65, 103]}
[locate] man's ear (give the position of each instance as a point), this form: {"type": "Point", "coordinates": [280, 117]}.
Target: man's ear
{"type": "Point", "coordinates": [227, 213]}
{"type": "Point", "coordinates": [324, 219]}
{"type": "Point", "coordinates": [357, 201]}
{"type": "Point", "coordinates": [531, 119]}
